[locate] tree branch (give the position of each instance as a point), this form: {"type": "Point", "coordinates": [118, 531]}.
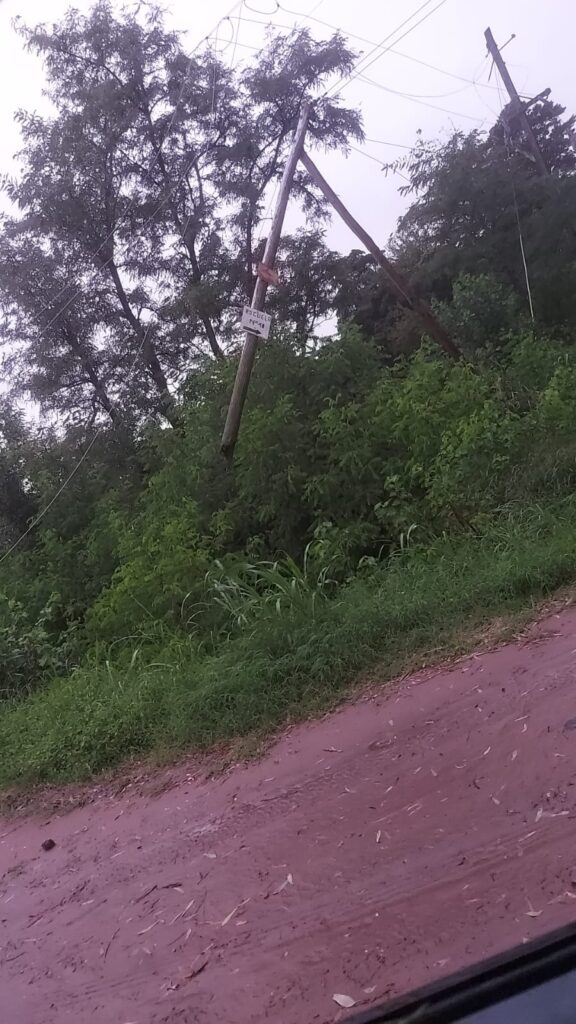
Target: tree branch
{"type": "Point", "coordinates": [190, 248]}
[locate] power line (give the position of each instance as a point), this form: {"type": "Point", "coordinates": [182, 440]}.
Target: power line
{"type": "Point", "coordinates": [412, 99]}
{"type": "Point", "coordinates": [216, 34]}
{"type": "Point", "coordinates": [487, 106]}
{"type": "Point", "coordinates": [495, 113]}
{"type": "Point", "coordinates": [272, 198]}
{"type": "Point", "coordinates": [52, 501]}
{"type": "Point", "coordinates": [256, 10]}
{"type": "Point", "coordinates": [361, 67]}
{"type": "Point", "coordinates": [384, 142]}
{"type": "Point", "coordinates": [522, 250]}
{"type": "Point", "coordinates": [236, 37]}
{"type": "Point", "coordinates": [516, 209]}
{"type": "Point", "coordinates": [433, 95]}
{"type": "Point", "coordinates": [376, 46]}
{"type": "Point", "coordinates": [407, 32]}
{"type": "Point", "coordinates": [368, 156]}
{"type": "Point", "coordinates": [244, 46]}
{"type": "Point", "coordinates": [415, 97]}
{"type": "Point", "coordinates": [383, 166]}
{"type": "Point", "coordinates": [442, 71]}
{"type": "Point", "coordinates": [214, 73]}
{"type": "Point", "coordinates": [389, 49]}
{"type": "Point", "coordinates": [38, 519]}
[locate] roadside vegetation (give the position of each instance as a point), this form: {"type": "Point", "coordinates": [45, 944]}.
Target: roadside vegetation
{"type": "Point", "coordinates": [382, 498]}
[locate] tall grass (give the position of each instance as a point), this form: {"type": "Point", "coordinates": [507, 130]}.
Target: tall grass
{"type": "Point", "coordinates": [289, 589]}
{"type": "Point", "coordinates": [288, 658]}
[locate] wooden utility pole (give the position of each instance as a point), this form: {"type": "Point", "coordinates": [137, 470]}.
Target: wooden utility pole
{"type": "Point", "coordinates": [432, 326]}
{"type": "Point", "coordinates": [518, 107]}
{"type": "Point", "coordinates": [243, 373]}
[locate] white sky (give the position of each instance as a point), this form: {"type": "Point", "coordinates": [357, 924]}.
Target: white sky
{"type": "Point", "coordinates": [541, 55]}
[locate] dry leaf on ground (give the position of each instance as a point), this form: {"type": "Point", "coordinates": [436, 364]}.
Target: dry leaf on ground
{"type": "Point", "coordinates": [346, 1002]}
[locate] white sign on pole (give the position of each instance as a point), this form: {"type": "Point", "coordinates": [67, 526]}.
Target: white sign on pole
{"type": "Point", "coordinates": [256, 322]}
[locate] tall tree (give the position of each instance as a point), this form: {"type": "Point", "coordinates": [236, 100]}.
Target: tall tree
{"type": "Point", "coordinates": [140, 199]}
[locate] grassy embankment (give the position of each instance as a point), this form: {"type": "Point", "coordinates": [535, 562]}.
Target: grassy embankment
{"type": "Point", "coordinates": [418, 606]}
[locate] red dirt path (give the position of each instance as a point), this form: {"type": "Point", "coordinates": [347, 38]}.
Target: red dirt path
{"type": "Point", "coordinates": [421, 831]}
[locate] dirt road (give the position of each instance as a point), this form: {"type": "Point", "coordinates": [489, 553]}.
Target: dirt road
{"type": "Point", "coordinates": [395, 841]}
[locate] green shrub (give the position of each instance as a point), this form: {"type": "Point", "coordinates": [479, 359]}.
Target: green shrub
{"type": "Point", "coordinates": [29, 653]}
{"type": "Point", "coordinates": [369, 508]}
{"type": "Point", "coordinates": [282, 666]}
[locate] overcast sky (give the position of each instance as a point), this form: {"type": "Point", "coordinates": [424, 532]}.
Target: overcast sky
{"type": "Point", "coordinates": [451, 38]}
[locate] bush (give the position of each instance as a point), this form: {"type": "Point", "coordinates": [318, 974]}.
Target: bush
{"type": "Point", "coordinates": [28, 648]}
{"type": "Point", "coordinates": [286, 664]}
{"type": "Point", "coordinates": [221, 598]}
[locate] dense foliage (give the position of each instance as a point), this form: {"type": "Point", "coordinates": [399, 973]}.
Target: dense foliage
{"type": "Point", "coordinates": [342, 460]}
{"type": "Point", "coordinates": [140, 571]}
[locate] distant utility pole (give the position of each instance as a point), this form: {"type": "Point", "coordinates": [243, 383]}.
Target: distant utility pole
{"type": "Point", "coordinates": [403, 287]}
{"type": "Point", "coordinates": [518, 107]}
{"type": "Point", "coordinates": [244, 371]}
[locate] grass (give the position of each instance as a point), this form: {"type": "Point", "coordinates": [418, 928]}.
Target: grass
{"type": "Point", "coordinates": [285, 668]}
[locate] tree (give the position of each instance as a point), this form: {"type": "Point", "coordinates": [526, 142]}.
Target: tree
{"type": "Point", "coordinates": [472, 192]}
{"type": "Point", "coordinates": [17, 501]}
{"type": "Point", "coordinates": [140, 199]}
{"type": "Point", "coordinates": [365, 297]}
{"type": "Point", "coordinates": [554, 136]}
{"type": "Point", "coordinates": [305, 295]}
{"type": "Point", "coordinates": [53, 343]}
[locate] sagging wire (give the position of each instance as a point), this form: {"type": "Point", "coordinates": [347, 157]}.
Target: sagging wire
{"type": "Point", "coordinates": [516, 207]}
{"type": "Point", "coordinates": [413, 99]}
{"type": "Point", "coordinates": [38, 519]}
{"type": "Point", "coordinates": [361, 67]}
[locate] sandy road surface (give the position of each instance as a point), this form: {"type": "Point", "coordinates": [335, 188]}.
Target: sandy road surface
{"type": "Point", "coordinates": [395, 841]}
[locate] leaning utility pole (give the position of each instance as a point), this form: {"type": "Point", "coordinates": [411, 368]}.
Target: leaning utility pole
{"type": "Point", "coordinates": [240, 390]}
{"type": "Point", "coordinates": [432, 326]}
{"type": "Point", "coordinates": [518, 107]}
